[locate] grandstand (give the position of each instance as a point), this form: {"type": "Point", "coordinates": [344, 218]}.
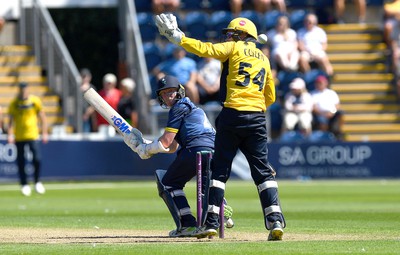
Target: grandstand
{"type": "Point", "coordinates": [357, 52]}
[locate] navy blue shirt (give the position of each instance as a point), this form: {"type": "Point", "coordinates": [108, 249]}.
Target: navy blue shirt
{"type": "Point", "coordinates": [190, 124]}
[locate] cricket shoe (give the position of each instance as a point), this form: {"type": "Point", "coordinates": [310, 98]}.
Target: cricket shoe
{"type": "Point", "coordinates": [40, 188]}
{"type": "Point", "coordinates": [183, 232]}
{"type": "Point", "coordinates": [26, 190]}
{"type": "Point", "coordinates": [228, 212]}
{"type": "Point", "coordinates": [204, 231]}
{"type": "Point", "coordinates": [276, 233]}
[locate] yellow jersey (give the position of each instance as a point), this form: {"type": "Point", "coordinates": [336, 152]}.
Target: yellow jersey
{"type": "Point", "coordinates": [247, 83]}
{"type": "Point", "coordinates": [25, 116]}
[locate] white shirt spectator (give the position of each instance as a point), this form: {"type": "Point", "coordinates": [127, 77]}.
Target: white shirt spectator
{"type": "Point", "coordinates": [313, 39]}
{"type": "Point", "coordinates": [325, 100]}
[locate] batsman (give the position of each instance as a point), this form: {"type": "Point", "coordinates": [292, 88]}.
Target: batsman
{"type": "Point", "coordinates": [246, 90]}
{"type": "Point", "coordinates": [188, 129]}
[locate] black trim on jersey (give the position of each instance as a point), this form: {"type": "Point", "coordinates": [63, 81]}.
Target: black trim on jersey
{"type": "Point", "coordinates": [223, 83]}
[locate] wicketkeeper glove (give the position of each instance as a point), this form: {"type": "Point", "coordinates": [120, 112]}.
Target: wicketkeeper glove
{"type": "Point", "coordinates": [168, 26]}
{"type": "Point", "coordinates": [146, 151]}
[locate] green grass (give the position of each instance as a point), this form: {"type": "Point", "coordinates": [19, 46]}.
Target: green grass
{"type": "Point", "coordinates": [323, 217]}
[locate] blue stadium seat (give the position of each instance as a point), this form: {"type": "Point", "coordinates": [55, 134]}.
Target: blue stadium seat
{"type": "Point", "coordinates": [152, 54]}
{"type": "Point", "coordinates": [321, 136]}
{"type": "Point", "coordinates": [276, 117]}
{"type": "Point", "coordinates": [219, 5]}
{"type": "Point", "coordinates": [296, 4]}
{"type": "Point", "coordinates": [292, 137]}
{"type": "Point", "coordinates": [310, 76]}
{"type": "Point", "coordinates": [220, 20]}
{"type": "Point", "coordinates": [143, 6]}
{"type": "Point", "coordinates": [196, 24]}
{"type": "Point", "coordinates": [296, 18]}
{"type": "Point", "coordinates": [269, 19]}
{"type": "Point", "coordinates": [168, 50]}
{"type": "Point", "coordinates": [191, 4]}
{"type": "Point", "coordinates": [148, 28]}
{"type": "Point", "coordinates": [375, 2]}
{"type": "Point", "coordinates": [285, 78]}
{"type": "Point", "coordinates": [253, 16]}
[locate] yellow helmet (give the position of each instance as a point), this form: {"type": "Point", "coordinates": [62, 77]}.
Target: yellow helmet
{"type": "Point", "coordinates": [242, 24]}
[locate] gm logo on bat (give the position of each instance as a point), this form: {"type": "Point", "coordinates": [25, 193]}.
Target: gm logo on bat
{"type": "Point", "coordinates": [120, 124]}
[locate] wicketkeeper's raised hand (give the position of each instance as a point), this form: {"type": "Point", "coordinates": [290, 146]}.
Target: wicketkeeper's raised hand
{"type": "Point", "coordinates": [168, 27]}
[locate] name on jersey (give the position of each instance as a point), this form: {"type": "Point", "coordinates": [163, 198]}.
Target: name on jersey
{"type": "Point", "coordinates": [254, 54]}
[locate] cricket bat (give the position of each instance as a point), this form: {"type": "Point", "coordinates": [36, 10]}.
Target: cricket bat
{"type": "Point", "coordinates": [109, 114]}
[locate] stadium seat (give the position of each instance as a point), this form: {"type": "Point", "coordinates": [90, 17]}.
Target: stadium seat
{"type": "Point", "coordinates": [285, 78]}
{"type": "Point", "coordinates": [292, 137]}
{"type": "Point", "coordinates": [276, 117]}
{"type": "Point", "coordinates": [296, 18]}
{"type": "Point", "coordinates": [269, 19]}
{"type": "Point", "coordinates": [196, 24]}
{"type": "Point", "coordinates": [192, 5]}
{"type": "Point", "coordinates": [152, 54]}
{"type": "Point", "coordinates": [219, 20]}
{"type": "Point", "coordinates": [148, 29]}
{"type": "Point", "coordinates": [219, 5]}
{"type": "Point", "coordinates": [253, 16]}
{"type": "Point", "coordinates": [321, 136]}
{"type": "Point", "coordinates": [168, 50]}
{"type": "Point", "coordinates": [142, 6]}
{"type": "Point", "coordinates": [310, 76]}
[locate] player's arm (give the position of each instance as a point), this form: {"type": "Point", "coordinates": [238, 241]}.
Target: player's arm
{"type": "Point", "coordinates": [218, 51]}
{"type": "Point", "coordinates": [168, 141]}
{"type": "Point", "coordinates": [269, 90]}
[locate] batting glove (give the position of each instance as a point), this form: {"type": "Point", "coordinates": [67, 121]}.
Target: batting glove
{"type": "Point", "coordinates": [132, 140]}
{"type": "Point", "coordinates": [142, 151]}
{"type": "Point", "coordinates": [168, 26]}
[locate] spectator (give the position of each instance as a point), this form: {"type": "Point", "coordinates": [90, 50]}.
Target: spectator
{"type": "Point", "coordinates": [326, 108]}
{"type": "Point", "coordinates": [111, 95]}
{"type": "Point", "coordinates": [126, 106]}
{"type": "Point", "coordinates": [298, 106]}
{"type": "Point", "coordinates": [23, 130]}
{"type": "Point", "coordinates": [160, 6]}
{"type": "Point", "coordinates": [284, 45]}
{"type": "Point", "coordinates": [260, 6]}
{"type": "Point", "coordinates": [2, 23]}
{"type": "Point", "coordinates": [182, 67]}
{"type": "Point", "coordinates": [339, 6]}
{"type": "Point", "coordinates": [209, 71]}
{"type": "Point", "coordinates": [313, 43]}
{"type": "Point", "coordinates": [88, 111]}
{"type": "Point", "coordinates": [391, 15]}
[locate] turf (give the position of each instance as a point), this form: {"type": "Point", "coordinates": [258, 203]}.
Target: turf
{"type": "Point", "coordinates": [323, 217]}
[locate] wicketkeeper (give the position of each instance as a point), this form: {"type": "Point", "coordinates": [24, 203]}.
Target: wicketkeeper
{"type": "Point", "coordinates": [189, 128]}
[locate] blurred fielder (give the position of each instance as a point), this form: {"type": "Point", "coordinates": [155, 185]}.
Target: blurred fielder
{"type": "Point", "coordinates": [247, 89]}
